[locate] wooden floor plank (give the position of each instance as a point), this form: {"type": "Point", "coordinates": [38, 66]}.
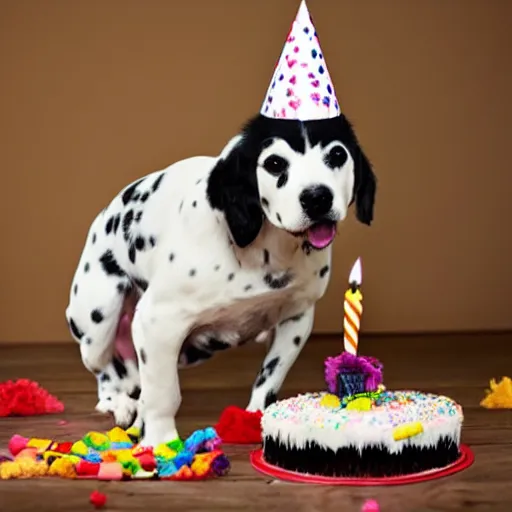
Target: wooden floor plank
{"type": "Point", "coordinates": [458, 366]}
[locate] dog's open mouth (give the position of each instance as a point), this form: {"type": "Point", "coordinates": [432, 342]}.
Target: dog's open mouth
{"type": "Point", "coordinates": [320, 234]}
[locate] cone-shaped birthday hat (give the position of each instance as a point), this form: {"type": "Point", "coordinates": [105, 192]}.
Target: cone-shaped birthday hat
{"type": "Point", "coordinates": [301, 87]}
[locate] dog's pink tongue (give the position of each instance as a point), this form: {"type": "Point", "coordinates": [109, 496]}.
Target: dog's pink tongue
{"type": "Point", "coordinates": [321, 235]}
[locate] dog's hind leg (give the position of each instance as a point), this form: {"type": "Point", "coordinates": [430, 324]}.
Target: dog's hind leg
{"type": "Point", "coordinates": [95, 305]}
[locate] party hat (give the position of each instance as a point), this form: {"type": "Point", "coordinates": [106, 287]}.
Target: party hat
{"type": "Point", "coordinates": [301, 87]}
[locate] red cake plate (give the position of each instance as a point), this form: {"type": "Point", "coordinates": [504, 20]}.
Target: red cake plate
{"type": "Point", "coordinates": [464, 461]}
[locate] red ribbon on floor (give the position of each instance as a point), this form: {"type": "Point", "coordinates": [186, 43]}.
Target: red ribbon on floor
{"type": "Point", "coordinates": [238, 426]}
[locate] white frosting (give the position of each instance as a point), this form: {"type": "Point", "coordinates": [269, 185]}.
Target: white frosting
{"type": "Point", "coordinates": [302, 419]}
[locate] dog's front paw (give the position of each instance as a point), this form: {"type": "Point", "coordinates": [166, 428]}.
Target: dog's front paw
{"type": "Point", "coordinates": [156, 436]}
{"type": "Point", "coordinates": [124, 411]}
{"type": "Point", "coordinates": [105, 405]}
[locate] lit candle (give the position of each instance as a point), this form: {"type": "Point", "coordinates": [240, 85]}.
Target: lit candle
{"type": "Point", "coordinates": [353, 307]}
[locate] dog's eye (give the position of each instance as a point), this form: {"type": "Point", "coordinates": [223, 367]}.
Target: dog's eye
{"type": "Point", "coordinates": [275, 165]}
{"type": "Point", "coordinates": [336, 157]}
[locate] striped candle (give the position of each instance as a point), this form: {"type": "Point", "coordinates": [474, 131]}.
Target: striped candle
{"type": "Point", "coordinates": [353, 307]}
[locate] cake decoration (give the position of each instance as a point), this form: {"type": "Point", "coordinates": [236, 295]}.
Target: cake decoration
{"type": "Point", "coordinates": [353, 307]}
{"type": "Point", "coordinates": [407, 430]}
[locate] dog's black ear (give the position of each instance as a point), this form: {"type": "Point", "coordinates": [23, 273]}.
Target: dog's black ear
{"type": "Point", "coordinates": [365, 187]}
{"type": "Point", "coordinates": [233, 189]}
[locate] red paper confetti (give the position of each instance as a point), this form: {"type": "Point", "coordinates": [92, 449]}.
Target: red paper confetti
{"type": "Point", "coordinates": [98, 499]}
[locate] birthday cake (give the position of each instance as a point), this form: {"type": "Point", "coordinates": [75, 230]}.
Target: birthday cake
{"type": "Point", "coordinates": [357, 428]}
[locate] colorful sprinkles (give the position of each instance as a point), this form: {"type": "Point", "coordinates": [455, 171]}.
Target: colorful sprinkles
{"type": "Point", "coordinates": [390, 409]}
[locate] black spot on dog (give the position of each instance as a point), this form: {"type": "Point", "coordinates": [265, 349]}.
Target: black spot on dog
{"type": "Point", "coordinates": [282, 180]}
{"type": "Point", "coordinates": [217, 267]}
{"type": "Point", "coordinates": [121, 288]}
{"type": "Point", "coordinates": [88, 341]}
{"type": "Point", "coordinates": [144, 197]}
{"type": "Point", "coordinates": [136, 197]}
{"type": "Point", "coordinates": [294, 318]}
{"type": "Point", "coordinates": [307, 247]}
{"type": "Point", "coordinates": [75, 289]}
{"type": "Point", "coordinates": [231, 276]}
{"type": "Point", "coordinates": [127, 222]}
{"type": "Point", "coordinates": [271, 365]}
{"type": "Point", "coordinates": [216, 345]}
{"type": "Point", "coordinates": [119, 367]}
{"type": "Point", "coordinates": [110, 265]}
{"type": "Point", "coordinates": [270, 398]}
{"type": "Point", "coordinates": [141, 283]}
{"type": "Point", "coordinates": [135, 394]}
{"type": "Point", "coordinates": [260, 380]}
{"type": "Point", "coordinates": [132, 253]}
{"type": "Point", "coordinates": [171, 256]}
{"type": "Point", "coordinates": [180, 207]}
{"type": "Point", "coordinates": [109, 225]}
{"type": "Point", "coordinates": [247, 287]}
{"type": "Point", "coordinates": [266, 257]}
{"type": "Point", "coordinates": [278, 217]}
{"type": "Point", "coordinates": [198, 181]}
{"type": "Point", "coordinates": [192, 272]}
{"type": "Point", "coordinates": [296, 341]}
{"type": "Point", "coordinates": [77, 333]}
{"type": "Point", "coordinates": [143, 357]}
{"type": "Point", "coordinates": [152, 241]}
{"type": "Point", "coordinates": [264, 202]}
{"type": "Point", "coordinates": [157, 182]}
{"type": "Point", "coordinates": [87, 267]}
{"type": "Point", "coordinates": [324, 270]}
{"type": "Point", "coordinates": [117, 221]}
{"type": "Point", "coordinates": [94, 238]}
{"type": "Point", "coordinates": [140, 243]}
{"type": "Point", "coordinates": [194, 354]}
{"type": "Point", "coordinates": [130, 191]}
{"type": "Point", "coordinates": [105, 377]}
{"type": "Point", "coordinates": [142, 430]}
{"type": "Point", "coordinates": [138, 216]}
{"type": "Point", "coordinates": [277, 283]}
{"type": "Point", "coordinates": [194, 204]}
{"type": "Point", "coordinates": [96, 316]}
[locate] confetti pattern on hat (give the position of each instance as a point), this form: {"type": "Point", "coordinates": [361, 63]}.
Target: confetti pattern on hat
{"type": "Point", "coordinates": [301, 87]}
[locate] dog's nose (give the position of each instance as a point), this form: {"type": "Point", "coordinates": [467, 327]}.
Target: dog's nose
{"type": "Point", "coordinates": [316, 201]}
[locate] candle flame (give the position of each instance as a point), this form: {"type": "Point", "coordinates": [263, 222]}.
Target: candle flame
{"type": "Point", "coordinates": [356, 274]}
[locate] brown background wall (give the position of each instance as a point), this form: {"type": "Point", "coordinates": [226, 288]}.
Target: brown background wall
{"type": "Point", "coordinates": [95, 93]}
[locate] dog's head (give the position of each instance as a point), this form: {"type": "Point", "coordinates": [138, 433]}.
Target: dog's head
{"type": "Point", "coordinates": [301, 176]}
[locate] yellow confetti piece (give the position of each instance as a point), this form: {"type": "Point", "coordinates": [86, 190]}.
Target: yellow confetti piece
{"type": "Point", "coordinates": [499, 396]}
{"type": "Point", "coordinates": [407, 430]}
{"type": "Point", "coordinates": [40, 444]}
{"type": "Point", "coordinates": [164, 451]}
{"type": "Point", "coordinates": [79, 448]}
{"type": "Point", "coordinates": [72, 458]}
{"type": "Point", "coordinates": [118, 435]}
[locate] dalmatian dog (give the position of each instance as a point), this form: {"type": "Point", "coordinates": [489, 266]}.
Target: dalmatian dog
{"type": "Point", "coordinates": [212, 253]}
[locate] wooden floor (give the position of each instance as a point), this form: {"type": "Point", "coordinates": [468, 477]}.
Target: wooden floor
{"type": "Point", "coordinates": [458, 366]}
